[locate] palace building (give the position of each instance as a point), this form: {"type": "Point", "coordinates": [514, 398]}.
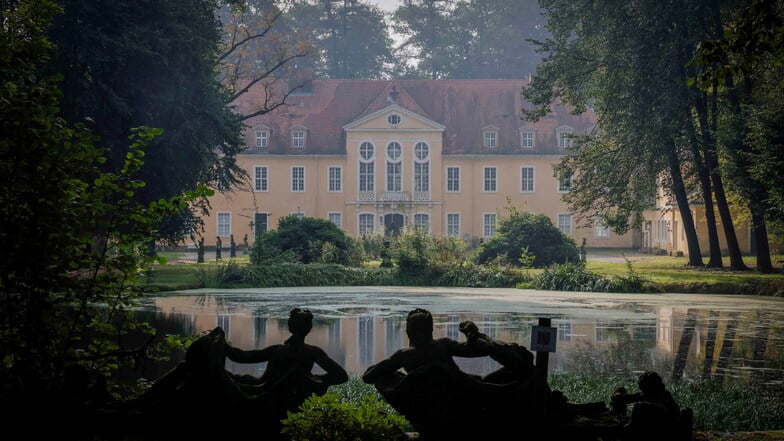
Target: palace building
{"type": "Point", "coordinates": [375, 156]}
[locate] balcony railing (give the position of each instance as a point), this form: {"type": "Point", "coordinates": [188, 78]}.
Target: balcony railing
{"type": "Point", "coordinates": [394, 196]}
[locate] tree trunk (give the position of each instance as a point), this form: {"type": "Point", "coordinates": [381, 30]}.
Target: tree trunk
{"type": "Point", "coordinates": [759, 234]}
{"type": "Point", "coordinates": [679, 189]}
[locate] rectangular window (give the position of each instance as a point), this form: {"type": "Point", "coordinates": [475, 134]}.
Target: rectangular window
{"type": "Point", "coordinates": [422, 222]}
{"type": "Point", "coordinates": [565, 331]}
{"type": "Point", "coordinates": [564, 182]}
{"type": "Point", "coordinates": [261, 139]}
{"type": "Point", "coordinates": [335, 181]}
{"type": "Point", "coordinates": [422, 176]}
{"type": "Point", "coordinates": [224, 224]}
{"type": "Point", "coordinates": [490, 179]}
{"type": "Point", "coordinates": [663, 233]}
{"type": "Point", "coordinates": [298, 179]}
{"type": "Point", "coordinates": [365, 224]}
{"type": "Point", "coordinates": [564, 140]}
{"type": "Point", "coordinates": [452, 179]}
{"type": "Point", "coordinates": [488, 224]}
{"type": "Point", "coordinates": [260, 224]}
{"type": "Point", "coordinates": [527, 140]}
{"type": "Point", "coordinates": [394, 171]}
{"type": "Point", "coordinates": [527, 179]}
{"type": "Point", "coordinates": [260, 178]}
{"type": "Point", "coordinates": [366, 176]}
{"type": "Point", "coordinates": [298, 214]}
{"type": "Point", "coordinates": [565, 223]}
{"type": "Point", "coordinates": [453, 224]}
{"type": "Point", "coordinates": [600, 230]}
{"type": "Point", "coordinates": [491, 140]}
{"type": "Point", "coordinates": [336, 218]}
{"type": "Point", "coordinates": [298, 139]}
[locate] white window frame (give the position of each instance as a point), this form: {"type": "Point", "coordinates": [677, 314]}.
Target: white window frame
{"type": "Point", "coordinates": [565, 223]}
{"type": "Point", "coordinates": [261, 136]}
{"type": "Point", "coordinates": [527, 182]}
{"type": "Point", "coordinates": [394, 181]}
{"type": "Point", "coordinates": [527, 138]}
{"type": "Point", "coordinates": [564, 184]}
{"type": "Point", "coordinates": [490, 137]}
{"type": "Point", "coordinates": [600, 231]}
{"type": "Point", "coordinates": [335, 179]}
{"type": "Point", "coordinates": [260, 178]}
{"type": "Point", "coordinates": [489, 223]}
{"type": "Point", "coordinates": [298, 214]}
{"type": "Point", "coordinates": [297, 182]}
{"type": "Point", "coordinates": [663, 230]}
{"type": "Point", "coordinates": [422, 222]}
{"type": "Point", "coordinates": [453, 224]}
{"type": "Point", "coordinates": [490, 183]}
{"type": "Point", "coordinates": [366, 167]}
{"type": "Point", "coordinates": [453, 179]}
{"type": "Point", "coordinates": [563, 136]}
{"type": "Point", "coordinates": [223, 224]}
{"type": "Point", "coordinates": [298, 138]}
{"type": "Point", "coordinates": [421, 167]}
{"type": "Point", "coordinates": [365, 224]}
{"type": "Point", "coordinates": [336, 218]}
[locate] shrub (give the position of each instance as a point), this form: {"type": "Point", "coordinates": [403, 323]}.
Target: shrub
{"type": "Point", "coordinates": [305, 237]}
{"type": "Point", "coordinates": [523, 234]}
{"type": "Point", "coordinates": [328, 418]}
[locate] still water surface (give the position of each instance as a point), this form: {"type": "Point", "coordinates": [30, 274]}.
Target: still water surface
{"type": "Point", "coordinates": [685, 335]}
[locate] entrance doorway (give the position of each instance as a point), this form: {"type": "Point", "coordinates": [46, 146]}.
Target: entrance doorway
{"type": "Point", "coordinates": [393, 223]}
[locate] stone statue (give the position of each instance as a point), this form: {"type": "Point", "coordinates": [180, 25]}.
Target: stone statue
{"type": "Point", "coordinates": [232, 247]}
{"type": "Point", "coordinates": [582, 250]}
{"type": "Point", "coordinates": [423, 383]}
{"type": "Point", "coordinates": [654, 415]}
{"type": "Point", "coordinates": [200, 251]}
{"type": "Point", "coordinates": [202, 384]}
{"type": "Point", "coordinates": [218, 246]}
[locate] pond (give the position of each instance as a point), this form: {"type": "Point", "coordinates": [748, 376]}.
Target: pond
{"type": "Point", "coordinates": [682, 335]}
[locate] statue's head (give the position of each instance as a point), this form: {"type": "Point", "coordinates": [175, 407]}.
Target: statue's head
{"type": "Point", "coordinates": [419, 326]}
{"type": "Point", "coordinates": [300, 321]}
{"type": "Point", "coordinates": [650, 383]}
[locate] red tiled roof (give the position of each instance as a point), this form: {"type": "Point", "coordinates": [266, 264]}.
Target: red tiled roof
{"type": "Point", "coordinates": [464, 107]}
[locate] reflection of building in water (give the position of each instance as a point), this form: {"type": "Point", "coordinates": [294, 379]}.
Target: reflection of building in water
{"type": "Point", "coordinates": [357, 341]}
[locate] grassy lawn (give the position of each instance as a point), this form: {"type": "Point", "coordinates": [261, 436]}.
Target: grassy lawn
{"type": "Point", "coordinates": [667, 273]}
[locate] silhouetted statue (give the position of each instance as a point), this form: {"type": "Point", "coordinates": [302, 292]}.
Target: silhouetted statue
{"type": "Point", "coordinates": [232, 247]}
{"type": "Point", "coordinates": [218, 246]}
{"type": "Point", "coordinates": [583, 251]}
{"type": "Point", "coordinates": [202, 384]}
{"type": "Point", "coordinates": [200, 251]}
{"type": "Point", "coordinates": [654, 415]}
{"type": "Point", "coordinates": [423, 383]}
{"type": "Point", "coordinates": [245, 241]}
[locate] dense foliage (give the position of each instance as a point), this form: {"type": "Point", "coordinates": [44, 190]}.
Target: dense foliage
{"type": "Point", "coordinates": [306, 240]}
{"type": "Point", "coordinates": [524, 239]}
{"type": "Point", "coordinates": [74, 236]}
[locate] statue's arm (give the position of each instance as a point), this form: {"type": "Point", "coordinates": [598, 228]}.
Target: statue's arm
{"type": "Point", "coordinates": [238, 355]}
{"type": "Point", "coordinates": [334, 372]}
{"type": "Point", "coordinates": [383, 368]}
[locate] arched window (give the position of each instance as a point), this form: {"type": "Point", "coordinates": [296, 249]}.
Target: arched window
{"type": "Point", "coordinates": [367, 166]}
{"type": "Point", "coordinates": [394, 167]}
{"type": "Point", "coordinates": [421, 167]}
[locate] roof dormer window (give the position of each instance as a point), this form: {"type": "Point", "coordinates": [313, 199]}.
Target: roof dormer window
{"type": "Point", "coordinates": [261, 136]}
{"type": "Point", "coordinates": [527, 137]}
{"type": "Point", "coordinates": [490, 136]}
{"type": "Point", "coordinates": [298, 137]}
{"type": "Point", "coordinates": [564, 136]}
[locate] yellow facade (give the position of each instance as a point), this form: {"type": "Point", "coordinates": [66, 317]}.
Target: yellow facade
{"type": "Point", "coordinates": [463, 193]}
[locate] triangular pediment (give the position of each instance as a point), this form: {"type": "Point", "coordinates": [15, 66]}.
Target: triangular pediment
{"type": "Point", "coordinates": [380, 120]}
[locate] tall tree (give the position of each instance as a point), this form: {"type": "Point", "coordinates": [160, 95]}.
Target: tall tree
{"type": "Point", "coordinates": [427, 27]}
{"type": "Point", "coordinates": [146, 62]}
{"type": "Point", "coordinates": [352, 38]}
{"type": "Point", "coordinates": [496, 36]}
{"type": "Point", "coordinates": [742, 65]}
{"type": "Point", "coordinates": [629, 62]}
{"type": "Point", "coordinates": [262, 49]}
{"type": "Point", "coordinates": [64, 301]}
